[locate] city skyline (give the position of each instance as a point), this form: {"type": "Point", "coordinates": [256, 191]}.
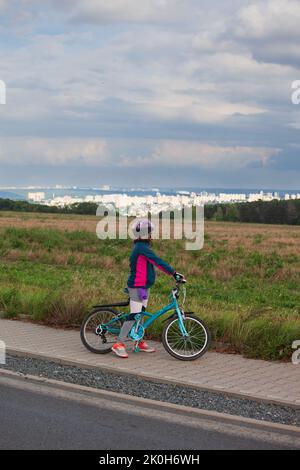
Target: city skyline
{"type": "Point", "coordinates": [151, 188]}
{"type": "Point", "coordinates": [140, 205]}
{"type": "Point", "coordinates": [166, 93]}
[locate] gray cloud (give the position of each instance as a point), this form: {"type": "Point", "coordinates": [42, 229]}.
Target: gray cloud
{"type": "Point", "coordinates": [269, 19]}
{"type": "Point", "coordinates": [152, 81]}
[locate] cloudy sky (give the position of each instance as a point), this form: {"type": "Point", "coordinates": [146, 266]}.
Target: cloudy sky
{"type": "Point", "coordinates": [150, 93]}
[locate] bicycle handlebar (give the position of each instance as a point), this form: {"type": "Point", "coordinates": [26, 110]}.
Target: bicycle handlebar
{"type": "Point", "coordinates": [180, 279]}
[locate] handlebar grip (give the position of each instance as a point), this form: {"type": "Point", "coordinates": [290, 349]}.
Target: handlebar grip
{"type": "Point", "coordinates": [179, 278]}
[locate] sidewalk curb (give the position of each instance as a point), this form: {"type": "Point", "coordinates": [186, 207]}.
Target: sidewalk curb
{"type": "Point", "coordinates": [146, 402]}
{"type": "Point", "coordinates": [152, 378]}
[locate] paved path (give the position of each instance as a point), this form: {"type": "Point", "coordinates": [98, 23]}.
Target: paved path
{"type": "Point", "coordinates": [279, 382]}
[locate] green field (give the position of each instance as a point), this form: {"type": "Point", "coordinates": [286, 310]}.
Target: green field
{"type": "Point", "coordinates": [244, 283]}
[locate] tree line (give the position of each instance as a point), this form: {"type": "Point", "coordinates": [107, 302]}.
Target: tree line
{"type": "Point", "coordinates": [84, 208]}
{"type": "Point", "coordinates": [260, 212]}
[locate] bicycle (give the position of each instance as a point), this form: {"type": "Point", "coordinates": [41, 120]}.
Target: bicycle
{"type": "Point", "coordinates": [185, 336]}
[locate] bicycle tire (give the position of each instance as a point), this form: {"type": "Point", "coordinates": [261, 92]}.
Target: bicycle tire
{"type": "Point", "coordinates": [183, 357]}
{"type": "Point", "coordinates": [83, 329]}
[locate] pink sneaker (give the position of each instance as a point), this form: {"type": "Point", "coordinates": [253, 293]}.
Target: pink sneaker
{"type": "Point", "coordinates": [119, 350]}
{"type": "Point", "coordinates": [144, 347]}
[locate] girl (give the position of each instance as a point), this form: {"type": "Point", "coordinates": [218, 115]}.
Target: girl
{"type": "Point", "coordinates": [142, 276]}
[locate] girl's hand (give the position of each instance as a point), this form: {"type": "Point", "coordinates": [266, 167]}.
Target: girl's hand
{"type": "Point", "coordinates": [179, 277]}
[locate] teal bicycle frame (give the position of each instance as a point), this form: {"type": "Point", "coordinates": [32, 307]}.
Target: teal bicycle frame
{"type": "Point", "coordinates": [152, 317]}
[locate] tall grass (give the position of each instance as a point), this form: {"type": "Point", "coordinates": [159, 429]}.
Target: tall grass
{"type": "Point", "coordinates": [244, 283]}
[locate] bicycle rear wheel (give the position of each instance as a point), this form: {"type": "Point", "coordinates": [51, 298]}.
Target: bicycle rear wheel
{"type": "Point", "coordinates": [187, 348]}
{"type": "Point", "coordinates": [95, 336]}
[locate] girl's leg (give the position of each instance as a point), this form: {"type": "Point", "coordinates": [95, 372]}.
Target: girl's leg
{"type": "Point", "coordinates": [135, 307]}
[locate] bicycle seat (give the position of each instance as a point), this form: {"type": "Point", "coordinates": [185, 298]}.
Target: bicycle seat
{"type": "Point", "coordinates": [116, 304]}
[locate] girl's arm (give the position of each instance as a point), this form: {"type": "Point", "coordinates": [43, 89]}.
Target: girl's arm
{"type": "Point", "coordinates": [157, 261]}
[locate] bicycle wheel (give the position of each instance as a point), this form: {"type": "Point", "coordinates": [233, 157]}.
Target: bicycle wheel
{"type": "Point", "coordinates": [186, 348]}
{"type": "Point", "coordinates": [96, 337]}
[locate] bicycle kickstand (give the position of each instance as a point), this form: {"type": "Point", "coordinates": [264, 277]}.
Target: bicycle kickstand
{"type": "Point", "coordinates": [136, 347]}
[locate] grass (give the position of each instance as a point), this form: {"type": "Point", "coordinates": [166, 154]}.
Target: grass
{"type": "Point", "coordinates": [244, 283]}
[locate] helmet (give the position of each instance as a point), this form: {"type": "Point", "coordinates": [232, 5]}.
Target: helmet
{"type": "Point", "coordinates": [142, 228]}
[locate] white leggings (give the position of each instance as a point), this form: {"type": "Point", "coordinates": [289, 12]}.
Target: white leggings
{"type": "Point", "coordinates": [135, 307]}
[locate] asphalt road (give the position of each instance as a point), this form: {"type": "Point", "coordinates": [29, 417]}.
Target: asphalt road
{"type": "Point", "coordinates": [43, 417]}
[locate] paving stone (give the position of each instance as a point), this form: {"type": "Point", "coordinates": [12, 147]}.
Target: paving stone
{"type": "Point", "coordinates": [257, 378]}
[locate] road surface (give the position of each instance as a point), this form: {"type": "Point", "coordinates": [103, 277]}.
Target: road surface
{"type": "Point", "coordinates": [43, 416]}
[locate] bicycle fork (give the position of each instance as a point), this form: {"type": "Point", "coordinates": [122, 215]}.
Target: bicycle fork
{"type": "Point", "coordinates": [181, 317]}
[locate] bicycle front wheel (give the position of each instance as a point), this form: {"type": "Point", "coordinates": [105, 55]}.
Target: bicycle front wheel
{"type": "Point", "coordinates": [190, 347]}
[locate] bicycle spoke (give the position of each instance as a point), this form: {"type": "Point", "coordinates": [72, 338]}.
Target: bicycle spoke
{"type": "Point", "coordinates": [187, 346]}
{"type": "Point", "coordinates": [92, 336]}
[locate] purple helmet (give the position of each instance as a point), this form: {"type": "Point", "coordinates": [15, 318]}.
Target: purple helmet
{"type": "Point", "coordinates": [142, 228]}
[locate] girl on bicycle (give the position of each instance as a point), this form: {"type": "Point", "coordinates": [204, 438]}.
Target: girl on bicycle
{"type": "Point", "coordinates": [142, 276]}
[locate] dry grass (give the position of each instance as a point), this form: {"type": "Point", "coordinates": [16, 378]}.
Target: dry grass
{"type": "Point", "coordinates": [244, 282]}
{"type": "Point", "coordinates": [267, 238]}
{"type": "Point", "coordinates": [63, 222]}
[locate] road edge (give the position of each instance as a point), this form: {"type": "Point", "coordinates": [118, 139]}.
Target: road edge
{"type": "Point", "coordinates": [141, 375]}
{"type": "Point", "coordinates": [146, 402]}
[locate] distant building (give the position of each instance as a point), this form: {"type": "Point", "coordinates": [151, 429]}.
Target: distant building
{"type": "Point", "coordinates": [135, 205]}
{"type": "Point", "coordinates": [36, 197]}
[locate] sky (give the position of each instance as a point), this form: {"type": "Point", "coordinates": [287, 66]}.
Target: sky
{"type": "Point", "coordinates": [150, 93]}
